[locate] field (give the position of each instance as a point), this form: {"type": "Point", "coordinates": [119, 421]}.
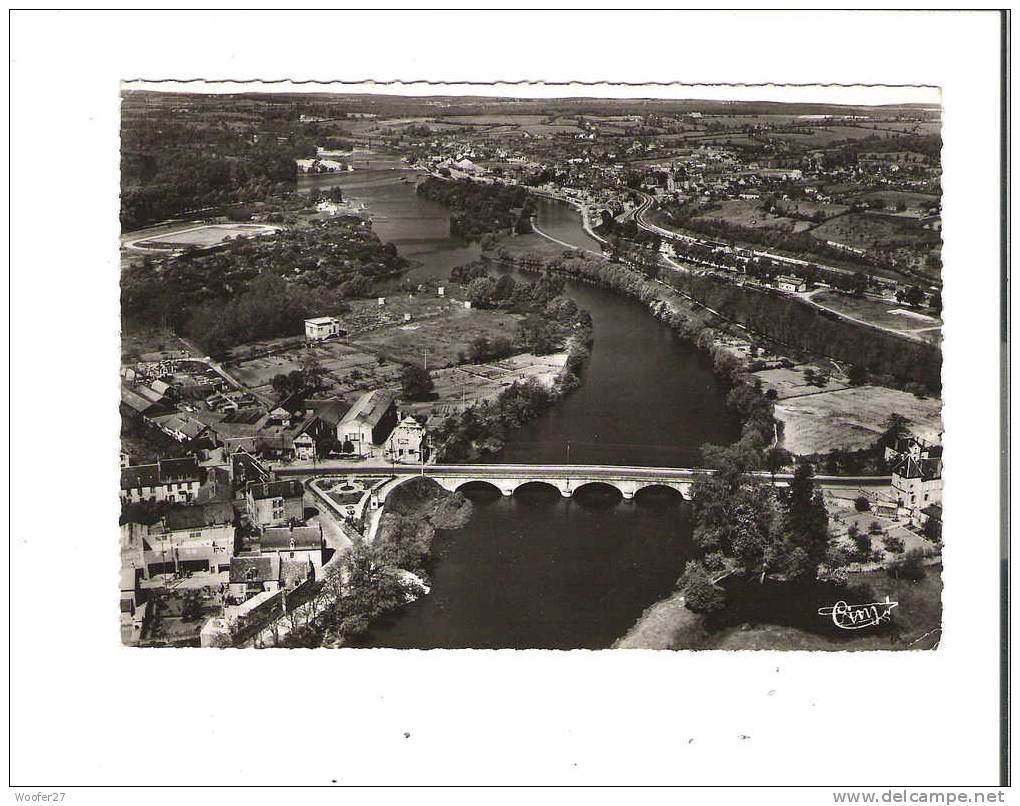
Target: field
{"type": "Point", "coordinates": [379, 344]}
{"type": "Point", "coordinates": [443, 336]}
{"type": "Point", "coordinates": [824, 136]}
{"type": "Point", "coordinates": [888, 315]}
{"type": "Point", "coordinates": [791, 382]}
{"type": "Point", "coordinates": [868, 231]}
{"type": "Point", "coordinates": [915, 202]}
{"type": "Point", "coordinates": [748, 213]}
{"type": "Point", "coordinates": [851, 418]}
{"type": "Point", "coordinates": [496, 120]}
{"type": "Point", "coordinates": [201, 236]}
{"type": "Point", "coordinates": [461, 387]}
{"type": "Point", "coordinates": [807, 208]}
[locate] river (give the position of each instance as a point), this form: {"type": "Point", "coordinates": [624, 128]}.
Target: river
{"type": "Point", "coordinates": [535, 570]}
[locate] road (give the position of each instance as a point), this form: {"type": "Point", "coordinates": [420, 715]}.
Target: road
{"type": "Point", "coordinates": [608, 472]}
{"type": "Point", "coordinates": [639, 217]}
{"type": "Point", "coordinates": [808, 296]}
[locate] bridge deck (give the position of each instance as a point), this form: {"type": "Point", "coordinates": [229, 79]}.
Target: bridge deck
{"type": "Point", "coordinates": [554, 473]}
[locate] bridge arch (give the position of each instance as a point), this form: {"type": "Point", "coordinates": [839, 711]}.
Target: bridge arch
{"type": "Point", "coordinates": [604, 490]}
{"type": "Point", "coordinates": [657, 488]}
{"type": "Point", "coordinates": [476, 484]}
{"type": "Point", "coordinates": [539, 484]}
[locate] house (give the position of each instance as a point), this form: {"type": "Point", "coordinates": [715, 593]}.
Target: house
{"type": "Point", "coordinates": [135, 404]}
{"type": "Point", "coordinates": [322, 327]}
{"type": "Point", "coordinates": [320, 430]}
{"type": "Point", "coordinates": [250, 576]}
{"type": "Point", "coordinates": [304, 446]}
{"type": "Point", "coordinates": [369, 421]}
{"type": "Point", "coordinates": [303, 546]}
{"type": "Point", "coordinates": [790, 282]}
{"type": "Point", "coordinates": [275, 503]}
{"type": "Point", "coordinates": [177, 547]}
{"type": "Point", "coordinates": [132, 609]}
{"type": "Point", "coordinates": [179, 426]}
{"type": "Point", "coordinates": [162, 388]}
{"type": "Point", "coordinates": [246, 469]}
{"type": "Point", "coordinates": [166, 480]}
{"type": "Point", "coordinates": [916, 469]}
{"type": "Point", "coordinates": [406, 442]}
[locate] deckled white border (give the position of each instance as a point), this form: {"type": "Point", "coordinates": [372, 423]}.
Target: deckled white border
{"type": "Point", "coordinates": [87, 711]}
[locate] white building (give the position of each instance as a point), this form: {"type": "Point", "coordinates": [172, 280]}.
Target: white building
{"type": "Point", "coordinates": [789, 282]}
{"type": "Point", "coordinates": [322, 327]}
{"type": "Point", "coordinates": [406, 442]}
{"type": "Point", "coordinates": [174, 480]}
{"type": "Point", "coordinates": [916, 476]}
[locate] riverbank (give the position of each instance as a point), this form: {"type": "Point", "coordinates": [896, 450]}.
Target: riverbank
{"type": "Point", "coordinates": [916, 622]}
{"type": "Point", "coordinates": [730, 348]}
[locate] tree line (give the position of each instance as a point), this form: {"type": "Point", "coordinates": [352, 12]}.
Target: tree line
{"type": "Point", "coordinates": [477, 209]}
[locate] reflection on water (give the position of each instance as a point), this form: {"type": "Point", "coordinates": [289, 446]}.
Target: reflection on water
{"type": "Point", "coordinates": [536, 569]}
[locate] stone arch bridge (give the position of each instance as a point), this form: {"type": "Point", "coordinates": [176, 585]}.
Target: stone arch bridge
{"type": "Point", "coordinates": [566, 478]}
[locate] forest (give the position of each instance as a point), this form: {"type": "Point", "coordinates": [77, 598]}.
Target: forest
{"type": "Point", "coordinates": [169, 167]}
{"type": "Point", "coordinates": [805, 327]}
{"type": "Point", "coordinates": [477, 209]}
{"type": "Point", "coordinates": [230, 296]}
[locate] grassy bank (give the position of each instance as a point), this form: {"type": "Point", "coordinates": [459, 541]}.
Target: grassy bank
{"type": "Point", "coordinates": [766, 620]}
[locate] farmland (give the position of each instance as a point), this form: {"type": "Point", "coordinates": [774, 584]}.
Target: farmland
{"type": "Point", "coordinates": [887, 314]}
{"type": "Point", "coordinates": [870, 231]}
{"type": "Point", "coordinates": [851, 418]}
{"type": "Point", "coordinates": [379, 344]}
{"type": "Point", "coordinates": [748, 213]}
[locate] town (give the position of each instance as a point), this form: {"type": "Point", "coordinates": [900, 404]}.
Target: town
{"type": "Point", "coordinates": [301, 380]}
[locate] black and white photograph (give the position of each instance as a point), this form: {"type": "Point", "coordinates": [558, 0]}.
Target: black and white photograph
{"type": "Point", "coordinates": [499, 373]}
{"type": "Point", "coordinates": [509, 398]}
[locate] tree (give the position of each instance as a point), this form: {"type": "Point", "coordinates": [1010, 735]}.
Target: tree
{"type": "Point", "coordinates": [775, 459]}
{"type": "Point", "coordinates": [862, 503]}
{"type": "Point", "coordinates": [416, 383]}
{"type": "Point", "coordinates": [909, 566]}
{"type": "Point", "coordinates": [913, 296]}
{"type": "Point", "coordinates": [805, 527]}
{"type": "Point", "coordinates": [281, 384]}
{"type": "Point", "coordinates": [701, 595]}
{"type": "Point", "coordinates": [480, 291]}
{"type": "Point", "coordinates": [893, 544]}
{"type": "Point", "coordinates": [857, 375]}
{"type": "Point", "coordinates": [894, 427]}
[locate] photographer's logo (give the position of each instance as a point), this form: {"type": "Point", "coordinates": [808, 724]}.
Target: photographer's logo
{"type": "Point", "coordinates": [857, 616]}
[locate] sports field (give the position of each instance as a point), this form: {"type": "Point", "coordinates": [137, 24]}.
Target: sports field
{"type": "Point", "coordinates": [201, 236]}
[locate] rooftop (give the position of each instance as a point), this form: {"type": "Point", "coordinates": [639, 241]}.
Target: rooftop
{"type": "Point", "coordinates": [277, 489]}
{"type": "Point", "coordinates": [255, 569]}
{"type": "Point", "coordinates": [198, 515]}
{"type": "Point", "coordinates": [278, 538]}
{"type": "Point", "coordinates": [162, 472]}
{"type": "Point", "coordinates": [370, 407]}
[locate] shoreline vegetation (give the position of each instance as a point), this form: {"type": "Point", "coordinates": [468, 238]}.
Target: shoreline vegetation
{"type": "Point", "coordinates": [374, 579]}
{"type": "Point", "coordinates": [750, 609]}
{"type": "Point", "coordinates": [755, 545]}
